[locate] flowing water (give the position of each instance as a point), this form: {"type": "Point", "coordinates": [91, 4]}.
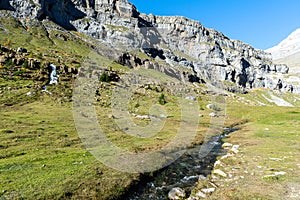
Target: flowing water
{"type": "Point", "coordinates": [183, 173]}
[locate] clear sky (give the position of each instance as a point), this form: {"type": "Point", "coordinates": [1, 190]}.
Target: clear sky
{"type": "Point", "coordinates": [261, 23]}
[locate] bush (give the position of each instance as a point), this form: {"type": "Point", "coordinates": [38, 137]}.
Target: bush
{"type": "Point", "coordinates": [148, 87]}
{"type": "Point", "coordinates": [25, 64]}
{"type": "Point", "coordinates": [216, 108]}
{"type": "Point", "coordinates": [137, 105]}
{"type": "Point", "coordinates": [104, 77]}
{"type": "Point", "coordinates": [162, 100]}
{"type": "Point", "coordinates": [9, 63]}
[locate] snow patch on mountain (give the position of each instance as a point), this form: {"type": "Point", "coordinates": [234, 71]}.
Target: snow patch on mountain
{"type": "Point", "coordinates": [287, 47]}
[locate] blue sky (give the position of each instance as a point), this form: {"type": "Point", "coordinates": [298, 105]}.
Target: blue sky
{"type": "Point", "coordinates": [261, 23]}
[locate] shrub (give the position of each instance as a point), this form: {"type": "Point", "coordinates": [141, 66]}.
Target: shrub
{"type": "Point", "coordinates": [25, 64]}
{"type": "Point", "coordinates": [216, 108]}
{"type": "Point", "coordinates": [162, 100]}
{"type": "Point", "coordinates": [9, 63]}
{"type": "Point", "coordinates": [104, 77]}
{"type": "Point", "coordinates": [137, 105]}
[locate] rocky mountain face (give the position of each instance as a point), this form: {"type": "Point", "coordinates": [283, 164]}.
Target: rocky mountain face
{"type": "Point", "coordinates": [288, 52]}
{"type": "Point", "coordinates": [174, 42]}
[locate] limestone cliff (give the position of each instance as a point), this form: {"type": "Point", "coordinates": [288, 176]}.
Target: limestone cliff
{"type": "Point", "coordinates": [177, 41]}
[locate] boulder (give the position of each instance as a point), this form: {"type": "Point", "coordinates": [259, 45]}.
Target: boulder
{"type": "Point", "coordinates": [200, 194]}
{"type": "Point", "coordinates": [227, 145]}
{"type": "Point", "coordinates": [209, 106]}
{"type": "Point", "coordinates": [234, 149]}
{"type": "Point", "coordinates": [21, 50]}
{"type": "Point", "coordinates": [208, 190]}
{"type": "Point", "coordinates": [212, 114]}
{"type": "Point", "coordinates": [3, 59]}
{"type": "Point", "coordinates": [191, 98]}
{"type": "Point", "coordinates": [282, 69]}
{"type": "Point", "coordinates": [219, 173]}
{"type": "Point", "coordinates": [176, 194]}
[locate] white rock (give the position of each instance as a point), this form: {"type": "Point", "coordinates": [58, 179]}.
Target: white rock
{"type": "Point", "coordinates": [192, 198]}
{"type": "Point", "coordinates": [176, 193]}
{"type": "Point", "coordinates": [226, 145]}
{"type": "Point", "coordinates": [276, 159]}
{"type": "Point", "coordinates": [200, 194]}
{"type": "Point", "coordinates": [209, 106]}
{"type": "Point", "coordinates": [236, 146]}
{"type": "Point", "coordinates": [111, 116]}
{"type": "Point", "coordinates": [279, 173]}
{"type": "Point", "coordinates": [191, 98]}
{"type": "Point", "coordinates": [208, 190]}
{"type": "Point", "coordinates": [234, 149]}
{"type": "Point", "coordinates": [219, 172]}
{"type": "Point", "coordinates": [201, 178]}
{"type": "Point", "coordinates": [218, 162]}
{"type": "Point", "coordinates": [163, 116]}
{"type": "Point", "coordinates": [226, 156]}
{"type": "Point", "coordinates": [268, 176]}
{"type": "Point", "coordinates": [212, 184]}
{"type": "Point", "coordinates": [212, 114]}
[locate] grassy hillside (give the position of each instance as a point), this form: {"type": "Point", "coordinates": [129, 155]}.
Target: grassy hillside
{"type": "Point", "coordinates": [42, 156]}
{"type": "Point", "coordinates": [54, 45]}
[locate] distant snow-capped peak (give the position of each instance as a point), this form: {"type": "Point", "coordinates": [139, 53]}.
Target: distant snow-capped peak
{"type": "Point", "coordinates": [287, 47]}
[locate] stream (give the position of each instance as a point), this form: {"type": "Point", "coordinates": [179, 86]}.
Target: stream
{"type": "Point", "coordinates": [183, 173]}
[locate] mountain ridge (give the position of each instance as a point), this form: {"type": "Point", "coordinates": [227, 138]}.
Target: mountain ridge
{"type": "Point", "coordinates": [287, 47]}
{"type": "Point", "coordinates": [118, 24]}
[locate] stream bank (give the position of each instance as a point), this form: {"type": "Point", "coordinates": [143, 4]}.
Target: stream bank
{"type": "Point", "coordinates": [184, 173]}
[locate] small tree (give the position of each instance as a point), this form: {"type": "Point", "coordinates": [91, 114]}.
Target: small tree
{"type": "Point", "coordinates": [148, 87]}
{"type": "Point", "coordinates": [25, 64]}
{"type": "Point", "coordinates": [162, 100]}
{"type": "Point", "coordinates": [104, 77]}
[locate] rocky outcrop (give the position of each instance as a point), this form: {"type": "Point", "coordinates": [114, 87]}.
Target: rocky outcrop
{"type": "Point", "coordinates": [16, 63]}
{"type": "Point", "coordinates": [288, 52]}
{"type": "Point", "coordinates": [135, 62]}
{"type": "Point", "coordinates": [176, 41]}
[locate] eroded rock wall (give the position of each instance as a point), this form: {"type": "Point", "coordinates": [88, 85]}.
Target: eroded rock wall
{"type": "Point", "coordinates": [118, 24]}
